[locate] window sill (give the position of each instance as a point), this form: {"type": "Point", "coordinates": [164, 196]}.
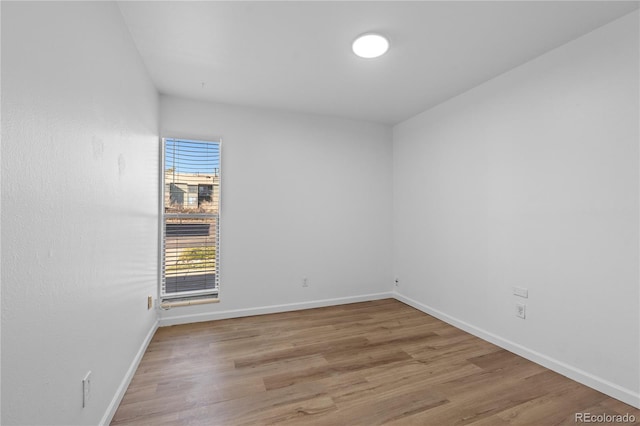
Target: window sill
{"type": "Point", "coordinates": [168, 304]}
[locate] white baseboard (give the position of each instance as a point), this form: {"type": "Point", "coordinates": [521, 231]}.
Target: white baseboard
{"type": "Point", "coordinates": [236, 313]}
{"type": "Point", "coordinates": [625, 395]}
{"type": "Point", "coordinates": [122, 389]}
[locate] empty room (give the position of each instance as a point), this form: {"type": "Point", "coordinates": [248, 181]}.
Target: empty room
{"type": "Point", "coordinates": [320, 213]}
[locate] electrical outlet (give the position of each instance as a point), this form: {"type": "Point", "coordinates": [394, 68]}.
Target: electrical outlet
{"type": "Point", "coordinates": [521, 291]}
{"type": "Point", "coordinates": [305, 282]}
{"type": "Point", "coordinates": [521, 310]}
{"type": "Point", "coordinates": [397, 282]}
{"type": "Point", "coordinates": [149, 302]}
{"type": "Point", "coordinates": [86, 389]}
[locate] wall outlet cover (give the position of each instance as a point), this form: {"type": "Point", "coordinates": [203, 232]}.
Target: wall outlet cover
{"type": "Point", "coordinates": [86, 389]}
{"type": "Point", "coordinates": [521, 309]}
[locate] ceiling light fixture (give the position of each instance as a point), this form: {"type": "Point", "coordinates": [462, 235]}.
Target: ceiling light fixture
{"type": "Point", "coordinates": [370, 45]}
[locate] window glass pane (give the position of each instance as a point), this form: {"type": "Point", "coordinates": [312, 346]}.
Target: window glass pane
{"type": "Point", "coordinates": [192, 167]}
{"type": "Point", "coordinates": [190, 254]}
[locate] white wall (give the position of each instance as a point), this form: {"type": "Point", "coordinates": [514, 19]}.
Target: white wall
{"type": "Point", "coordinates": [79, 209]}
{"type": "Point", "coordinates": [302, 196]}
{"type": "Point", "coordinates": [532, 180]}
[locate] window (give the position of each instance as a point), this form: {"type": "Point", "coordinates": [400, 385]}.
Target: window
{"type": "Point", "coordinates": [190, 220]}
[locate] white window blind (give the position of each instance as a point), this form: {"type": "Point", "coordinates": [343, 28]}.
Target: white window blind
{"type": "Point", "coordinates": [190, 219]}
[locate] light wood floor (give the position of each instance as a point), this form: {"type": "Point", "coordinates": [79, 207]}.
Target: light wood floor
{"type": "Point", "coordinates": [379, 362]}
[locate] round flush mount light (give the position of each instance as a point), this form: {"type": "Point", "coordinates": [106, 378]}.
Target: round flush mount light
{"type": "Point", "coordinates": [370, 45]}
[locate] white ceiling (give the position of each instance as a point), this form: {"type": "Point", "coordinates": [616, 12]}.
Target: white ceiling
{"type": "Point", "coordinates": [297, 55]}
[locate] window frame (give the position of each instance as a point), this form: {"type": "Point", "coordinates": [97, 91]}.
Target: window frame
{"type": "Point", "coordinates": [185, 298]}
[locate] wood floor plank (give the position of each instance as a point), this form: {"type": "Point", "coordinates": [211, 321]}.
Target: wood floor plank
{"type": "Point", "coordinates": [371, 363]}
{"type": "Point", "coordinates": [356, 362]}
{"type": "Point", "coordinates": [300, 351]}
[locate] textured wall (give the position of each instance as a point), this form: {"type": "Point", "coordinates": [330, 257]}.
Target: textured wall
{"type": "Point", "coordinates": [79, 208]}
